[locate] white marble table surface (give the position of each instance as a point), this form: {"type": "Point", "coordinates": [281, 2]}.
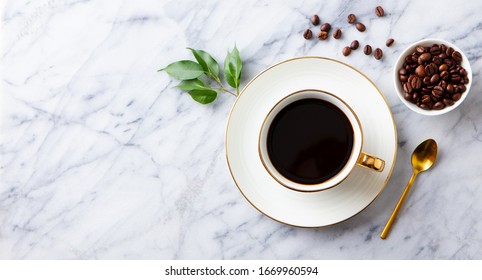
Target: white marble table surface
{"type": "Point", "coordinates": [102, 159]}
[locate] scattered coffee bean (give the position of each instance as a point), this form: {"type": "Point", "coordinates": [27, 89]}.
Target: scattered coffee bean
{"type": "Point", "coordinates": [389, 42]}
{"type": "Point", "coordinates": [308, 34]}
{"type": "Point", "coordinates": [346, 51]}
{"type": "Point", "coordinates": [315, 20]}
{"type": "Point", "coordinates": [360, 26]}
{"type": "Point", "coordinates": [351, 18]}
{"type": "Point", "coordinates": [322, 35]}
{"type": "Point", "coordinates": [354, 45]}
{"type": "Point", "coordinates": [379, 11]}
{"type": "Point", "coordinates": [432, 77]}
{"type": "Point", "coordinates": [368, 50]}
{"type": "Point", "coordinates": [442, 53]}
{"type": "Point", "coordinates": [378, 54]}
{"type": "Point", "coordinates": [325, 27]}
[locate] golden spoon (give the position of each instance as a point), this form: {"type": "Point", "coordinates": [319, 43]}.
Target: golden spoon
{"type": "Point", "coordinates": [423, 158]}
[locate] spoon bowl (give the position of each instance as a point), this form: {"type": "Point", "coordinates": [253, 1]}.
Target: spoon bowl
{"type": "Point", "coordinates": [424, 155]}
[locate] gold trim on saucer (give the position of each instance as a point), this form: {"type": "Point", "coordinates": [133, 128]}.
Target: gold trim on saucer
{"type": "Point", "coordinates": [352, 154]}
{"type": "Point", "coordinates": [299, 58]}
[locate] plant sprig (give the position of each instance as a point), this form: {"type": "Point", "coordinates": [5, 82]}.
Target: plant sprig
{"type": "Point", "coordinates": [190, 74]}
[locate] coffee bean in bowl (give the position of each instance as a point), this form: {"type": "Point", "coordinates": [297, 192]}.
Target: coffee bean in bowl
{"type": "Point", "coordinates": [432, 76]}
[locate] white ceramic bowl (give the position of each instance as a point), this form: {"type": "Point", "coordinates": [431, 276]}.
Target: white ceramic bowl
{"type": "Point", "coordinates": [398, 86]}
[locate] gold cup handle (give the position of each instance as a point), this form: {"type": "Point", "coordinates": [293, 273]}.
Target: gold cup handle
{"type": "Point", "coordinates": [371, 162]}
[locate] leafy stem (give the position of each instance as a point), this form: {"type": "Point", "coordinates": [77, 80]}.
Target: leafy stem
{"type": "Point", "coordinates": [222, 88]}
{"type": "Point", "coordinates": [189, 73]}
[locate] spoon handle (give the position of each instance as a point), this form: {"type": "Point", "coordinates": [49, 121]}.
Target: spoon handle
{"type": "Point", "coordinates": [388, 226]}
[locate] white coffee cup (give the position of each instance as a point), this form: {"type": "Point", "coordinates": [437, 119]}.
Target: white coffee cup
{"type": "Point", "coordinates": [357, 156]}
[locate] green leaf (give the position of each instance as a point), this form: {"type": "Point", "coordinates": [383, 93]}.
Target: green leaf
{"type": "Point", "coordinates": [208, 63]}
{"type": "Point", "coordinates": [228, 74]}
{"type": "Point", "coordinates": [238, 64]}
{"type": "Point", "coordinates": [198, 91]}
{"type": "Point", "coordinates": [227, 71]}
{"type": "Point", "coordinates": [232, 68]}
{"type": "Point", "coordinates": [204, 96]}
{"type": "Point", "coordinates": [184, 70]}
{"type": "Point", "coordinates": [188, 85]}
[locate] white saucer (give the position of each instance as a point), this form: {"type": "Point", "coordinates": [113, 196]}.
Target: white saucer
{"type": "Point", "coordinates": [309, 209]}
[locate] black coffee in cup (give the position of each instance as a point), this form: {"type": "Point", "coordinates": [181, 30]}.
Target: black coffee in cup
{"type": "Point", "coordinates": [310, 141]}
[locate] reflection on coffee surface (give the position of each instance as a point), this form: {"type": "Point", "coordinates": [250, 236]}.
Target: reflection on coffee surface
{"type": "Point", "coordinates": [310, 141]}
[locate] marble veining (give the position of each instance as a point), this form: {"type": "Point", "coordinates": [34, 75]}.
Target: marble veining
{"type": "Point", "coordinates": [101, 158]}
